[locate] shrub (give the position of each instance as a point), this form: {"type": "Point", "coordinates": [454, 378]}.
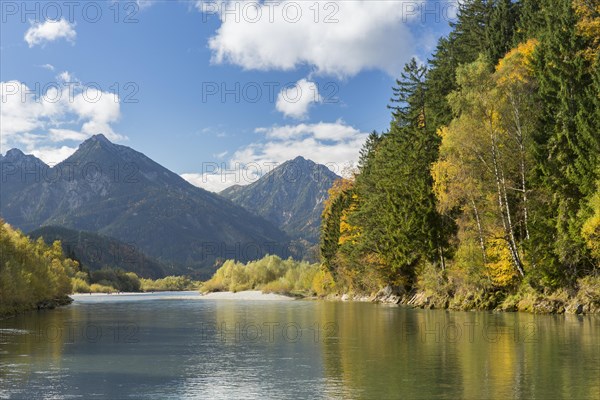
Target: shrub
{"type": "Point", "coordinates": [98, 288]}
{"type": "Point", "coordinates": [80, 286]}
{"type": "Point", "coordinates": [168, 284]}
{"type": "Point", "coordinates": [270, 274]}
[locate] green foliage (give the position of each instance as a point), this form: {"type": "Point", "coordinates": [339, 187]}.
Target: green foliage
{"type": "Point", "coordinates": [169, 283]}
{"type": "Point", "coordinates": [100, 288]}
{"type": "Point", "coordinates": [269, 274]}
{"type": "Point", "coordinates": [31, 272]}
{"type": "Point", "coordinates": [391, 209]}
{"type": "Point", "coordinates": [109, 280]}
{"type": "Point", "coordinates": [120, 280]}
{"type": "Point", "coordinates": [341, 197]}
{"type": "Point", "coordinates": [567, 144]}
{"type": "Point", "coordinates": [482, 26]}
{"type": "Point", "coordinates": [501, 30]}
{"type": "Point", "coordinates": [80, 286]}
{"type": "Point", "coordinates": [591, 227]}
{"type": "Point", "coordinates": [486, 183]}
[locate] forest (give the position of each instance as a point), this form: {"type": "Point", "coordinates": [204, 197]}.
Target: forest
{"type": "Point", "coordinates": [485, 190]}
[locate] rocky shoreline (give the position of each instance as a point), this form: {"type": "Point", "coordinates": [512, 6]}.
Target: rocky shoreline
{"type": "Point", "coordinates": [532, 303]}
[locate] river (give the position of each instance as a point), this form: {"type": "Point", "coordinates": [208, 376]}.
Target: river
{"type": "Point", "coordinates": [169, 346]}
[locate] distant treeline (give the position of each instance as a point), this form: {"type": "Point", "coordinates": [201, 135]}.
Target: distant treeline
{"type": "Point", "coordinates": [110, 280]}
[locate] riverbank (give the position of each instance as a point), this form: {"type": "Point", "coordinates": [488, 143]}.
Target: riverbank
{"type": "Point", "coordinates": [585, 301]}
{"type": "Point", "coordinates": [246, 295]}
{"type": "Point", "coordinates": [12, 311]}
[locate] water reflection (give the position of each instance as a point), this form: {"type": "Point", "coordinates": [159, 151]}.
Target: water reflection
{"type": "Point", "coordinates": [385, 352]}
{"type": "Point", "coordinates": [152, 347]}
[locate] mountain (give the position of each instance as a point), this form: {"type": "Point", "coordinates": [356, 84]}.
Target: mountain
{"type": "Point", "coordinates": [18, 172]}
{"type": "Point", "coordinates": [116, 191]}
{"type": "Point", "coordinates": [95, 251]}
{"type": "Point", "coordinates": [291, 196]}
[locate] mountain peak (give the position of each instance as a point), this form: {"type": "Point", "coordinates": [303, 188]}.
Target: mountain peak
{"type": "Point", "coordinates": [99, 138]}
{"type": "Point", "coordinates": [14, 153]}
{"type": "Point", "coordinates": [97, 144]}
{"type": "Point", "coordinates": [302, 161]}
{"type": "Point", "coordinates": [17, 156]}
{"type": "Point", "coordinates": [291, 196]}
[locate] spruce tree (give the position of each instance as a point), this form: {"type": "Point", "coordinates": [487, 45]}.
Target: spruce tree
{"type": "Point", "coordinates": [568, 143]}
{"type": "Point", "coordinates": [398, 203]}
{"type": "Point", "coordinates": [500, 31]}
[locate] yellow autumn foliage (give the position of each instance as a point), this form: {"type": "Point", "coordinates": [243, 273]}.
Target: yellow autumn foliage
{"type": "Point", "coordinates": [322, 282]}
{"type": "Point", "coordinates": [588, 25]}
{"type": "Point", "coordinates": [348, 232]}
{"type": "Point", "coordinates": [591, 228]}
{"type": "Point", "coordinates": [337, 189]}
{"type": "Point", "coordinates": [516, 66]}
{"type": "Point", "coordinates": [499, 266]}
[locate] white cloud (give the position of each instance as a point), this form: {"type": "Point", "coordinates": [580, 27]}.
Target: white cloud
{"type": "Point", "coordinates": [66, 77]}
{"type": "Point", "coordinates": [38, 122]}
{"type": "Point", "coordinates": [53, 155]}
{"type": "Point", "coordinates": [100, 109]}
{"type": "Point", "coordinates": [60, 135]}
{"type": "Point", "coordinates": [334, 144]}
{"type": "Point", "coordinates": [337, 131]}
{"type": "Point", "coordinates": [341, 39]}
{"type": "Point", "coordinates": [294, 101]}
{"type": "Point", "coordinates": [145, 3]}
{"type": "Point", "coordinates": [49, 67]}
{"type": "Point", "coordinates": [214, 182]}
{"type": "Point", "coordinates": [20, 113]}
{"type": "Point", "coordinates": [41, 33]}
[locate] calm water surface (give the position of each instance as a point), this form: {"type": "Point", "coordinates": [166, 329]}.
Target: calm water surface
{"type": "Point", "coordinates": [163, 346]}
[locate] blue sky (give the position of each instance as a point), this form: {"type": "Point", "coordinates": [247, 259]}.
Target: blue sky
{"type": "Point", "coordinates": [203, 86]}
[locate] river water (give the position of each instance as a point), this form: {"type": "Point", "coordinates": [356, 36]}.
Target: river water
{"type": "Point", "coordinates": [169, 346]}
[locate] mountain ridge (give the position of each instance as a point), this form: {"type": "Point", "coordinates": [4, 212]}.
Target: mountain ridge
{"type": "Point", "coordinates": [94, 251]}
{"type": "Point", "coordinates": [116, 191]}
